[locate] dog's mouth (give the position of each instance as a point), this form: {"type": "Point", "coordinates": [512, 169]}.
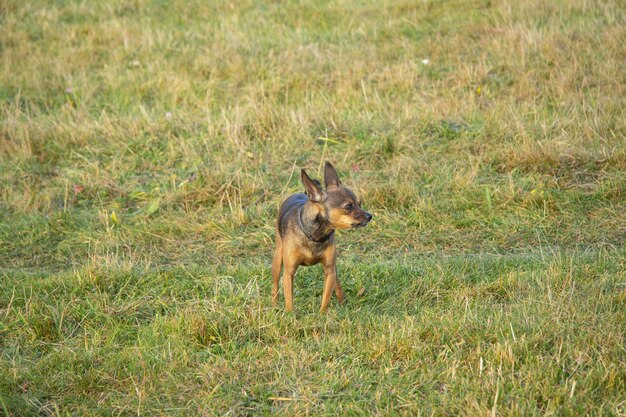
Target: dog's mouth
{"type": "Point", "coordinates": [359, 225]}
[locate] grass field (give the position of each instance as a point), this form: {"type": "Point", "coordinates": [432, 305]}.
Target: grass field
{"type": "Point", "coordinates": [145, 147]}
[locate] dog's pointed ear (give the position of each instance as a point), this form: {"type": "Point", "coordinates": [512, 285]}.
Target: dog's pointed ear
{"type": "Point", "coordinates": [313, 188]}
{"type": "Point", "coordinates": [331, 179]}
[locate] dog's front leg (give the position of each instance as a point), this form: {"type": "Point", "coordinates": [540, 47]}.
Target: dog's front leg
{"type": "Point", "coordinates": [330, 277]}
{"type": "Point", "coordinates": [338, 290]}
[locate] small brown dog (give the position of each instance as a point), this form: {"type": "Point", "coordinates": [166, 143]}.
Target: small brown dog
{"type": "Point", "coordinates": [305, 232]}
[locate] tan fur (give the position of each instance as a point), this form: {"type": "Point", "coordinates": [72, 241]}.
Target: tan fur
{"type": "Point", "coordinates": [340, 219]}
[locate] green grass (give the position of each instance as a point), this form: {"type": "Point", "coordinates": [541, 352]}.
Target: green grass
{"type": "Point", "coordinates": [145, 148]}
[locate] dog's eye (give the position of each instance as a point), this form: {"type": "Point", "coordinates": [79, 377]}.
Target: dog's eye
{"type": "Point", "coordinates": [349, 206]}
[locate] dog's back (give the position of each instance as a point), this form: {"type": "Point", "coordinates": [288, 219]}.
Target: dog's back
{"type": "Point", "coordinates": [289, 209]}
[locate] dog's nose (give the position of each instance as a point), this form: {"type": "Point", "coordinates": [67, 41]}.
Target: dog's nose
{"type": "Point", "coordinates": [368, 217]}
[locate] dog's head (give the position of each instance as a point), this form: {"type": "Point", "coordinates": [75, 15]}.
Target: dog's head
{"type": "Point", "coordinates": [337, 204]}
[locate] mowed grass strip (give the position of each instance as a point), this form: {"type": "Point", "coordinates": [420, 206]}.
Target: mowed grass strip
{"type": "Point", "coordinates": [457, 335]}
{"type": "Point", "coordinates": [145, 148]}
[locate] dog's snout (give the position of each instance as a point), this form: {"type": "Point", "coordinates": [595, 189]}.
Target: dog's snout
{"type": "Point", "coordinates": [368, 216]}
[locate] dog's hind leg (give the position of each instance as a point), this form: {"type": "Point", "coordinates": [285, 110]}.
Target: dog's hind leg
{"type": "Point", "coordinates": [277, 264]}
{"type": "Point", "coordinates": [290, 271]}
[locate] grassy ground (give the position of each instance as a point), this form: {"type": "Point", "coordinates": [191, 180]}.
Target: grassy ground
{"type": "Point", "coordinates": [145, 147]}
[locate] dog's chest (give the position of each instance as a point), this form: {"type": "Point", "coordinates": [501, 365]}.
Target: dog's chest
{"type": "Point", "coordinates": [309, 257]}
{"type": "Point", "coordinates": [313, 253]}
